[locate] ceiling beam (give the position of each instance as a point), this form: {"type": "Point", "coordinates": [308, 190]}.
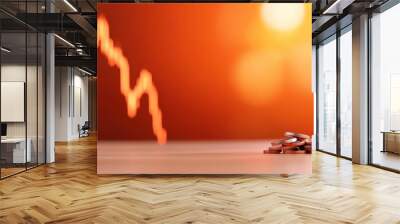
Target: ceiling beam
{"type": "Point", "coordinates": [82, 61]}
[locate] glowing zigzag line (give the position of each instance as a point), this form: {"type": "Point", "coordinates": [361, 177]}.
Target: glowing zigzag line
{"type": "Point", "coordinates": [143, 85]}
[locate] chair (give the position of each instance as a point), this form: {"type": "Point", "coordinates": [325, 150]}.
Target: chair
{"type": "Point", "coordinates": [84, 130]}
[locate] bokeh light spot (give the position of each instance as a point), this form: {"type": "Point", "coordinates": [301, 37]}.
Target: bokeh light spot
{"type": "Point", "coordinates": [283, 16]}
{"type": "Point", "coordinates": [258, 76]}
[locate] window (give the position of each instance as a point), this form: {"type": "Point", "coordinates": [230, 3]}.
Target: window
{"type": "Point", "coordinates": [385, 89]}
{"type": "Point", "coordinates": [346, 93]}
{"type": "Point", "coordinates": [327, 95]}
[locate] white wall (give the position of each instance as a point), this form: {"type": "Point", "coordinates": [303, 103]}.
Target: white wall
{"type": "Point", "coordinates": [81, 103]}
{"type": "Point", "coordinates": [62, 83]}
{"type": "Point", "coordinates": [71, 102]}
{"type": "Point", "coordinates": [16, 73]}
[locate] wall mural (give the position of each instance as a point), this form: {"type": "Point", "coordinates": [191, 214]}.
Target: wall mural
{"type": "Point", "coordinates": [144, 83]}
{"type": "Point", "coordinates": [204, 88]}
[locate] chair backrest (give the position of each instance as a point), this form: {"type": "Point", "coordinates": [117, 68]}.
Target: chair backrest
{"type": "Point", "coordinates": [86, 125]}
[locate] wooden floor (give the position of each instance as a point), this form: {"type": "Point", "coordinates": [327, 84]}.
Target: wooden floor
{"type": "Point", "coordinates": [69, 191]}
{"type": "Point", "coordinates": [5, 172]}
{"type": "Point", "coordinates": [387, 159]}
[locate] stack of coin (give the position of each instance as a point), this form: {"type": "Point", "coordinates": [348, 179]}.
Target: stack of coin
{"type": "Point", "coordinates": [292, 143]}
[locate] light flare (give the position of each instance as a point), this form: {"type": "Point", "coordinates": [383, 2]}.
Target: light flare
{"type": "Point", "coordinates": [283, 17]}
{"type": "Point", "coordinates": [144, 84]}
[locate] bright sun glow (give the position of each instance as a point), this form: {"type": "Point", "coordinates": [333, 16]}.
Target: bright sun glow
{"type": "Point", "coordinates": [283, 16]}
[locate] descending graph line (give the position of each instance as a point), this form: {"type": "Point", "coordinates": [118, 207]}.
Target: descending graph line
{"type": "Point", "coordinates": [144, 84]}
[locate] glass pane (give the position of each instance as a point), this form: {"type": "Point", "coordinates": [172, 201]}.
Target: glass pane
{"type": "Point", "coordinates": [41, 98]}
{"type": "Point", "coordinates": [23, 90]}
{"type": "Point", "coordinates": [386, 89]}
{"type": "Point", "coordinates": [346, 94]}
{"type": "Point", "coordinates": [31, 97]}
{"type": "Point", "coordinates": [14, 153]}
{"type": "Point", "coordinates": [327, 96]}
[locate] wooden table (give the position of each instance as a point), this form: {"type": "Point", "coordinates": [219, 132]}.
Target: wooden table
{"type": "Point", "coordinates": [13, 150]}
{"type": "Point", "coordinates": [391, 141]}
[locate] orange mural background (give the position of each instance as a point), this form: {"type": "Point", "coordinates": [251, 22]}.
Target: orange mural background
{"type": "Point", "coordinates": [222, 71]}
